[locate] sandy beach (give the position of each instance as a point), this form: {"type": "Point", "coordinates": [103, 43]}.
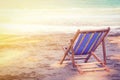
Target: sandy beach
{"type": "Point", "coordinates": [36, 57]}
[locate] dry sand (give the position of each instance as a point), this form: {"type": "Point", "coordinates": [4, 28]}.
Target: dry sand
{"type": "Point", "coordinates": [36, 57]}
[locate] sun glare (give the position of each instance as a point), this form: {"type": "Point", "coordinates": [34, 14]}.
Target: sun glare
{"type": "Point", "coordinates": [20, 28]}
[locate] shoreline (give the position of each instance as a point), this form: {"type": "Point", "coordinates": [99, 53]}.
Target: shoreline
{"type": "Point", "coordinates": [27, 29]}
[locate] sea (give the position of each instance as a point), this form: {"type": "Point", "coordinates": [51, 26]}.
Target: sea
{"type": "Point", "coordinates": [73, 15]}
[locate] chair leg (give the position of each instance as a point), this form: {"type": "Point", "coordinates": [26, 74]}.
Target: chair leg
{"type": "Point", "coordinates": [104, 51]}
{"type": "Point", "coordinates": [65, 54]}
{"type": "Point", "coordinates": [63, 57]}
{"type": "Point", "coordinates": [106, 68]}
{"type": "Point", "coordinates": [79, 70]}
{"type": "Point", "coordinates": [73, 60]}
{"type": "Point", "coordinates": [86, 60]}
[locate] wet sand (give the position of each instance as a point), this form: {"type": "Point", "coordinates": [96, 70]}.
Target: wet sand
{"type": "Point", "coordinates": [36, 57]}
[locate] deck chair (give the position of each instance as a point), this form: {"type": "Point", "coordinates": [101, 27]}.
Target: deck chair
{"type": "Point", "coordinates": [85, 43]}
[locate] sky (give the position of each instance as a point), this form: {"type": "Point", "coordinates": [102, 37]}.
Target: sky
{"type": "Point", "coordinates": [56, 4]}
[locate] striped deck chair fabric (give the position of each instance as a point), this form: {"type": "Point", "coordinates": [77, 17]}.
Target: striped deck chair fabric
{"type": "Point", "coordinates": [85, 43]}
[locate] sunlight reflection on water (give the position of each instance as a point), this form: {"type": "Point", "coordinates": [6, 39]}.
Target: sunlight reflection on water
{"type": "Point", "coordinates": [42, 29]}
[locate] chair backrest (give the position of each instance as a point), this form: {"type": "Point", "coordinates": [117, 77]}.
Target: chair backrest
{"type": "Point", "coordinates": [87, 41]}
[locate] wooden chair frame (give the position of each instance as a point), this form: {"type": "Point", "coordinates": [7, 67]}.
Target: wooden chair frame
{"type": "Point", "coordinates": [102, 40]}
